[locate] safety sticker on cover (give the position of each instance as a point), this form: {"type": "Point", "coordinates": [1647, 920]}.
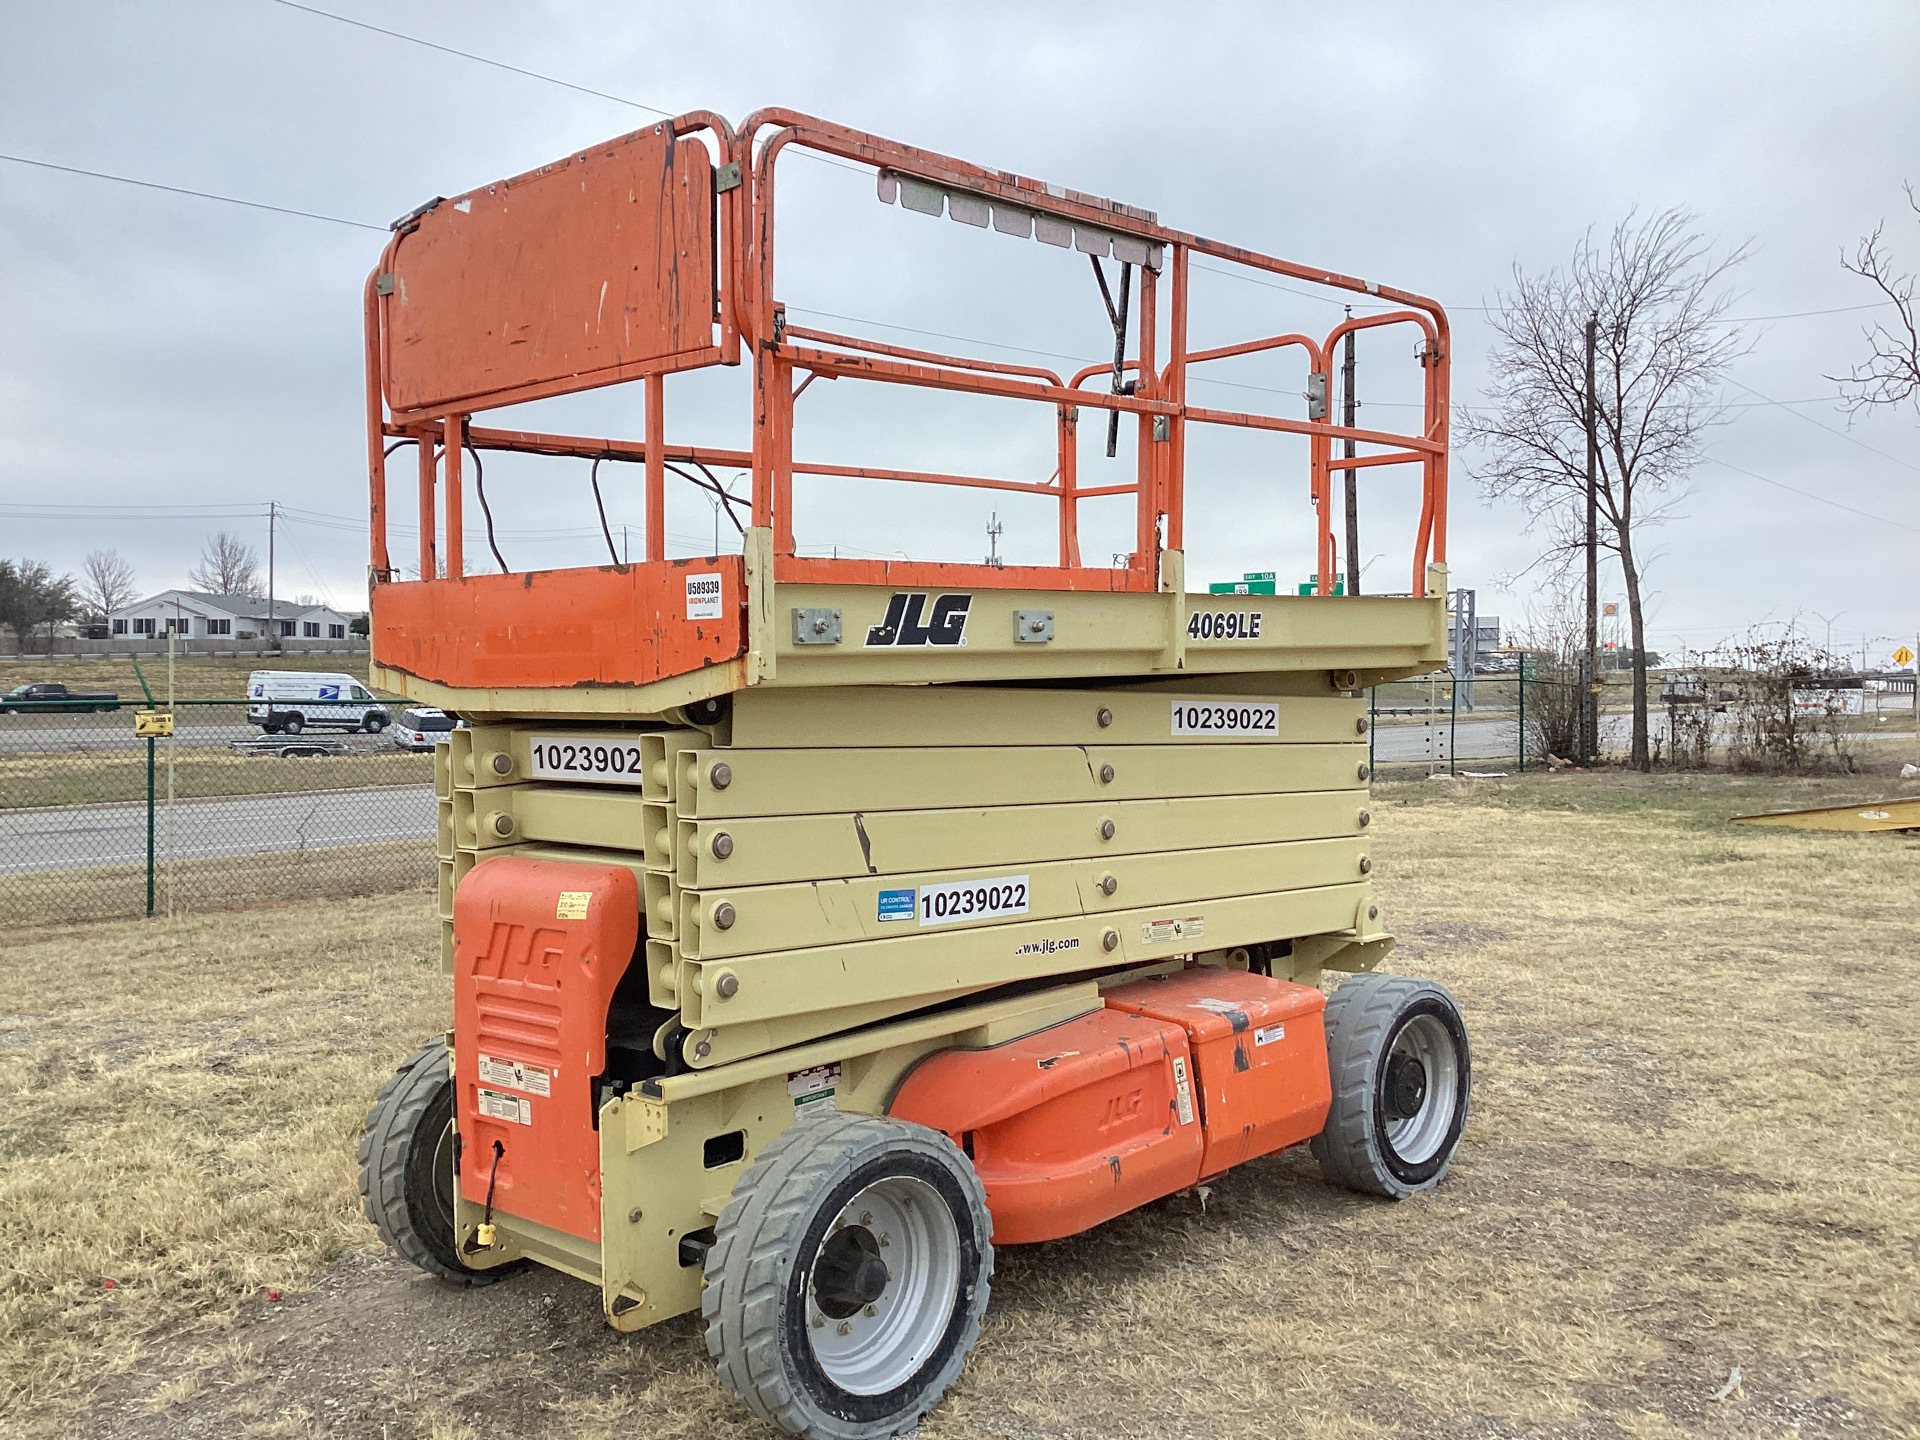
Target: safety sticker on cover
{"type": "Point", "coordinates": [1161, 932]}
{"type": "Point", "coordinates": [573, 905]}
{"type": "Point", "coordinates": [703, 597]}
{"type": "Point", "coordinates": [814, 1086]}
{"type": "Point", "coordinates": [1182, 1091]}
{"type": "Point", "coordinates": [516, 1075]}
{"type": "Point", "coordinates": [1267, 1034]}
{"type": "Point", "coordinates": [506, 1107]}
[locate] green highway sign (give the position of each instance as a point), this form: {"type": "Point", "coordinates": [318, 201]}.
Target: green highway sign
{"type": "Point", "coordinates": [1242, 587]}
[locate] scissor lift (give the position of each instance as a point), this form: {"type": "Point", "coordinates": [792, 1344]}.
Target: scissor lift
{"type": "Point", "coordinates": [815, 922]}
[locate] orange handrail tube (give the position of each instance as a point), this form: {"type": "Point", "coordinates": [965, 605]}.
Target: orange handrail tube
{"type": "Point", "coordinates": [748, 322]}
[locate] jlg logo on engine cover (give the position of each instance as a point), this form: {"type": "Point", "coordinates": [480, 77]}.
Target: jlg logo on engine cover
{"type": "Point", "coordinates": [907, 622]}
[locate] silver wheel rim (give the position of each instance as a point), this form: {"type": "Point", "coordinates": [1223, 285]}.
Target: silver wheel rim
{"type": "Point", "coordinates": [1419, 1136]}
{"type": "Point", "coordinates": [881, 1344]}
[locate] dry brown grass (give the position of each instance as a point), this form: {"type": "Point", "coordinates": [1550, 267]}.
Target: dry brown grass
{"type": "Point", "coordinates": [1690, 1151]}
{"type": "Point", "coordinates": [208, 677]}
{"type": "Point", "coordinates": [341, 874]}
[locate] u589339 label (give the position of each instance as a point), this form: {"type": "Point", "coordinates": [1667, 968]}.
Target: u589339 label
{"type": "Point", "coordinates": [957, 901]}
{"type": "Point", "coordinates": [1226, 717]}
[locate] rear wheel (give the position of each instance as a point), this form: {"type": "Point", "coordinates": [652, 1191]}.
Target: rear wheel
{"type": "Point", "coordinates": [406, 1168]}
{"type": "Point", "coordinates": [294, 724]}
{"type": "Point", "coordinates": [848, 1276]}
{"type": "Point", "coordinates": [374, 724]}
{"type": "Point", "coordinates": [1402, 1081]}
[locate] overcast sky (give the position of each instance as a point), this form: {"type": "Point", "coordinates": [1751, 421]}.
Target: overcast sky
{"type": "Point", "coordinates": [161, 350]}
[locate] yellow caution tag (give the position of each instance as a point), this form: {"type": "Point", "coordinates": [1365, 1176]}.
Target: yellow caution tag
{"type": "Point", "coordinates": [152, 724]}
{"type": "Point", "coordinates": [573, 905]}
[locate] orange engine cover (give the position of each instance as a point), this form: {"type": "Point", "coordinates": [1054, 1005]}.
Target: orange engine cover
{"type": "Point", "coordinates": [1067, 1127]}
{"type": "Point", "coordinates": [1259, 1052]}
{"type": "Point", "coordinates": [538, 947]}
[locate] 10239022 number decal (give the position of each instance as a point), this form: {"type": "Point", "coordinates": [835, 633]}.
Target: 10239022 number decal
{"type": "Point", "coordinates": [957, 901]}
{"type": "Point", "coordinates": [1226, 717]}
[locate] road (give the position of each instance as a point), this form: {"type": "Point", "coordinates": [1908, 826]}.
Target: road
{"type": "Point", "coordinates": [78, 837]}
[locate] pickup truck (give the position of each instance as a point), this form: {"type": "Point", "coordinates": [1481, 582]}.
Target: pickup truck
{"type": "Point", "coordinates": [42, 698]}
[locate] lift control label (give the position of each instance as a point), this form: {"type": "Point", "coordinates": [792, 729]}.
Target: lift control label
{"type": "Point", "coordinates": [1226, 717]}
{"type": "Point", "coordinates": [516, 1075]}
{"type": "Point", "coordinates": [506, 1107]}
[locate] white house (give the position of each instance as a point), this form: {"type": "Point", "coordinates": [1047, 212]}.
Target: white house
{"type": "Point", "coordinates": [230, 618]}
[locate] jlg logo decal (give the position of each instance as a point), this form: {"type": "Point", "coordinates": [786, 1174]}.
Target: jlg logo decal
{"type": "Point", "coordinates": [908, 623]}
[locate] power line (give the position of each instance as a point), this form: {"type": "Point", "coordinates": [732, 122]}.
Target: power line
{"type": "Point", "coordinates": [196, 194]}
{"type": "Point", "coordinates": [488, 60]}
{"type": "Point", "coordinates": [1808, 494]}
{"type": "Point", "coordinates": [1850, 439]}
{"type": "Point", "coordinates": [476, 59]}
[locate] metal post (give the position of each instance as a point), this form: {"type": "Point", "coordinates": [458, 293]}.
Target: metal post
{"type": "Point", "coordinates": [1349, 404]}
{"type": "Point", "coordinates": [1373, 722]}
{"type": "Point", "coordinates": [1589, 699]}
{"type": "Point", "coordinates": [150, 827]}
{"type": "Point", "coordinates": [1522, 687]}
{"type": "Point", "coordinates": [1453, 725]}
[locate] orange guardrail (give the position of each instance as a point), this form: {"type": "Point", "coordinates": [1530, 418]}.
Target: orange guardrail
{"type": "Point", "coordinates": [654, 254]}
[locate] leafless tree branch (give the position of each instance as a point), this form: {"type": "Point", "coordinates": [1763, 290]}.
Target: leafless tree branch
{"type": "Point", "coordinates": [1659, 295]}
{"type": "Point", "coordinates": [1891, 373]}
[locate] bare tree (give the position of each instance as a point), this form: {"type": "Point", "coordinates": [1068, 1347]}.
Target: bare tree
{"type": "Point", "coordinates": [228, 566]}
{"type": "Point", "coordinates": [1657, 294]}
{"type": "Point", "coordinates": [106, 582]}
{"type": "Point", "coordinates": [1891, 374]}
{"type": "Point", "coordinates": [31, 595]}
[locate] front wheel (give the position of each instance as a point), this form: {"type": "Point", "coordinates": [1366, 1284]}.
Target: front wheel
{"type": "Point", "coordinates": [374, 724]}
{"type": "Point", "coordinates": [294, 724]}
{"type": "Point", "coordinates": [848, 1276]}
{"type": "Point", "coordinates": [1402, 1080]}
{"type": "Point", "coordinates": [406, 1168]}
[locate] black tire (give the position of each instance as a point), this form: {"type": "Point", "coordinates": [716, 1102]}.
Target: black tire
{"type": "Point", "coordinates": [406, 1168]}
{"type": "Point", "coordinates": [293, 724]}
{"type": "Point", "coordinates": [1402, 1085]}
{"type": "Point", "coordinates": [374, 723]}
{"type": "Point", "coordinates": [775, 1274]}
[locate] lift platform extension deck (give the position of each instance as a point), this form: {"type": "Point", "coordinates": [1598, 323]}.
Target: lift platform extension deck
{"type": "Point", "coordinates": [736, 839]}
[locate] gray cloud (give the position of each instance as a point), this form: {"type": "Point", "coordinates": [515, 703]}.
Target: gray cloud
{"type": "Point", "coordinates": [160, 349]}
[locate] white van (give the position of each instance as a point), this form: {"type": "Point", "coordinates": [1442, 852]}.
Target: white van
{"type": "Point", "coordinates": [294, 700]}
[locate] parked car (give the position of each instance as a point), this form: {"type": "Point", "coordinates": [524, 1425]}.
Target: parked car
{"type": "Point", "coordinates": [289, 701]}
{"type": "Point", "coordinates": [422, 728]}
{"type": "Point", "coordinates": [57, 697]}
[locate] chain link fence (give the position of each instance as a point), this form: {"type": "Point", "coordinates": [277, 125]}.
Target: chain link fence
{"type": "Point", "coordinates": [98, 822]}
{"type": "Point", "coordinates": [1434, 723]}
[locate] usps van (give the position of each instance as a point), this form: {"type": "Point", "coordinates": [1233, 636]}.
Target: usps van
{"type": "Point", "coordinates": [289, 701]}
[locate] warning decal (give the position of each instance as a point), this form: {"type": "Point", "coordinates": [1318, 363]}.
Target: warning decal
{"type": "Point", "coordinates": [811, 1086]}
{"type": "Point", "coordinates": [516, 1075]}
{"type": "Point", "coordinates": [1161, 932]}
{"type": "Point", "coordinates": [506, 1107]}
{"type": "Point", "coordinates": [1182, 1091]}
{"type": "Point", "coordinates": [1267, 1034]}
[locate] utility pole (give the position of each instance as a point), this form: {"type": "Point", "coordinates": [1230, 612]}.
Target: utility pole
{"type": "Point", "coordinates": [994, 531]}
{"type": "Point", "coordinates": [273, 518]}
{"type": "Point", "coordinates": [1590, 699]}
{"type": "Point", "coordinates": [1349, 405]}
